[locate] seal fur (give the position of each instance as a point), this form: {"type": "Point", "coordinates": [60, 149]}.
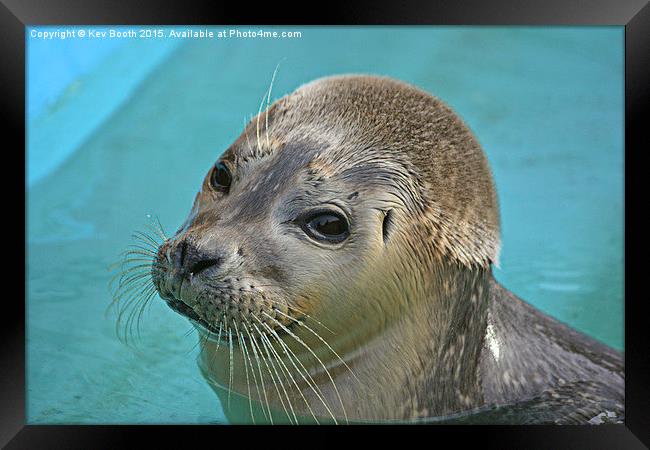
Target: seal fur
{"type": "Point", "coordinates": [401, 321]}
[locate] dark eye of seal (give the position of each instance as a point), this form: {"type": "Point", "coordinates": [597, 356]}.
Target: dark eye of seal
{"type": "Point", "coordinates": [220, 179]}
{"type": "Point", "coordinates": [326, 226]}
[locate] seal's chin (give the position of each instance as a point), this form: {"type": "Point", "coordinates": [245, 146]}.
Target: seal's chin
{"type": "Point", "coordinates": [207, 333]}
{"type": "Point", "coordinates": [206, 330]}
{"type": "Point", "coordinates": [181, 308]}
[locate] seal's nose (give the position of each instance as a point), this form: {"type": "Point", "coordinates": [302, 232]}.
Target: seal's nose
{"type": "Point", "coordinates": [189, 260]}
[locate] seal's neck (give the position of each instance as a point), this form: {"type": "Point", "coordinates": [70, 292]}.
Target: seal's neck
{"type": "Point", "coordinates": [426, 362]}
{"type": "Point", "coordinates": [423, 362]}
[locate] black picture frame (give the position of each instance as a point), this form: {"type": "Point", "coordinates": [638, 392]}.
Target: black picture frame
{"type": "Point", "coordinates": [15, 15]}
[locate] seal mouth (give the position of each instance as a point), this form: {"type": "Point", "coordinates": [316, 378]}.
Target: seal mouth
{"type": "Point", "coordinates": [181, 308]}
{"type": "Point", "coordinates": [217, 334]}
{"type": "Point", "coordinates": [208, 332]}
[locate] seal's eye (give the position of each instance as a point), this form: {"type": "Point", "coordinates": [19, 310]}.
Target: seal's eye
{"type": "Point", "coordinates": [326, 226]}
{"type": "Point", "coordinates": [220, 179]}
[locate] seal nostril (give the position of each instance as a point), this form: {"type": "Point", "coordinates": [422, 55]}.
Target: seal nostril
{"type": "Point", "coordinates": [202, 265]}
{"type": "Point", "coordinates": [180, 254]}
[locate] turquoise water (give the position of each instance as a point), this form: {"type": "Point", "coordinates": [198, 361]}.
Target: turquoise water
{"type": "Point", "coordinates": [118, 142]}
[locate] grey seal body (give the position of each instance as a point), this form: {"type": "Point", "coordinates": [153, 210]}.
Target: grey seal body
{"type": "Point", "coordinates": [536, 370]}
{"type": "Point", "coordinates": [337, 264]}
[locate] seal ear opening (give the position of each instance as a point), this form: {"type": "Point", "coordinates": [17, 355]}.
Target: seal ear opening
{"type": "Point", "coordinates": [387, 225]}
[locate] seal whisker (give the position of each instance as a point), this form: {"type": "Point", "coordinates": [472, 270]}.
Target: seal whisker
{"type": "Point", "coordinates": [141, 309]}
{"type": "Point", "coordinates": [199, 342]}
{"type": "Point", "coordinates": [314, 355]}
{"type": "Point", "coordinates": [135, 253]}
{"type": "Point", "coordinates": [160, 228]}
{"type": "Point", "coordinates": [130, 274]}
{"type": "Point", "coordinates": [124, 291]}
{"type": "Point", "coordinates": [259, 368]}
{"type": "Point", "coordinates": [118, 282]}
{"type": "Point", "coordinates": [138, 249]}
{"type": "Point", "coordinates": [122, 301]}
{"type": "Point", "coordinates": [221, 320]}
{"type": "Point", "coordinates": [125, 259]}
{"type": "Point", "coordinates": [140, 268]}
{"type": "Point", "coordinates": [145, 247]}
{"type": "Point", "coordinates": [134, 260]}
{"type": "Point", "coordinates": [290, 354]}
{"type": "Point", "coordinates": [230, 375]}
{"type": "Point", "coordinates": [156, 227]}
{"type": "Point", "coordinates": [257, 125]}
{"type": "Point", "coordinates": [254, 343]}
{"type": "Point", "coordinates": [135, 279]}
{"type": "Point", "coordinates": [322, 340]}
{"type": "Point", "coordinates": [257, 387]}
{"type": "Point", "coordinates": [134, 269]}
{"type": "Point", "coordinates": [214, 354]}
{"type": "Point", "coordinates": [268, 99]}
{"type": "Point", "coordinates": [141, 299]}
{"type": "Point", "coordinates": [287, 375]}
{"type": "Point", "coordinates": [302, 312]}
{"type": "Point", "coordinates": [248, 384]}
{"type": "Point", "coordinates": [147, 250]}
{"type": "Point", "coordinates": [145, 239]}
{"type": "Point", "coordinates": [288, 372]}
{"type": "Point", "coordinates": [270, 358]}
{"type": "Point", "coordinates": [127, 281]}
{"type": "Point", "coordinates": [125, 294]}
{"type": "Point", "coordinates": [144, 295]}
{"type": "Point", "coordinates": [129, 265]}
{"type": "Point", "coordinates": [143, 306]}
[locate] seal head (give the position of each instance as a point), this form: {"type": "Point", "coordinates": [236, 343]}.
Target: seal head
{"type": "Point", "coordinates": [337, 259]}
{"type": "Point", "coordinates": [373, 160]}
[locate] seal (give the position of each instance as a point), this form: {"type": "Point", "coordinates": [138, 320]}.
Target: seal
{"type": "Point", "coordinates": [337, 264]}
